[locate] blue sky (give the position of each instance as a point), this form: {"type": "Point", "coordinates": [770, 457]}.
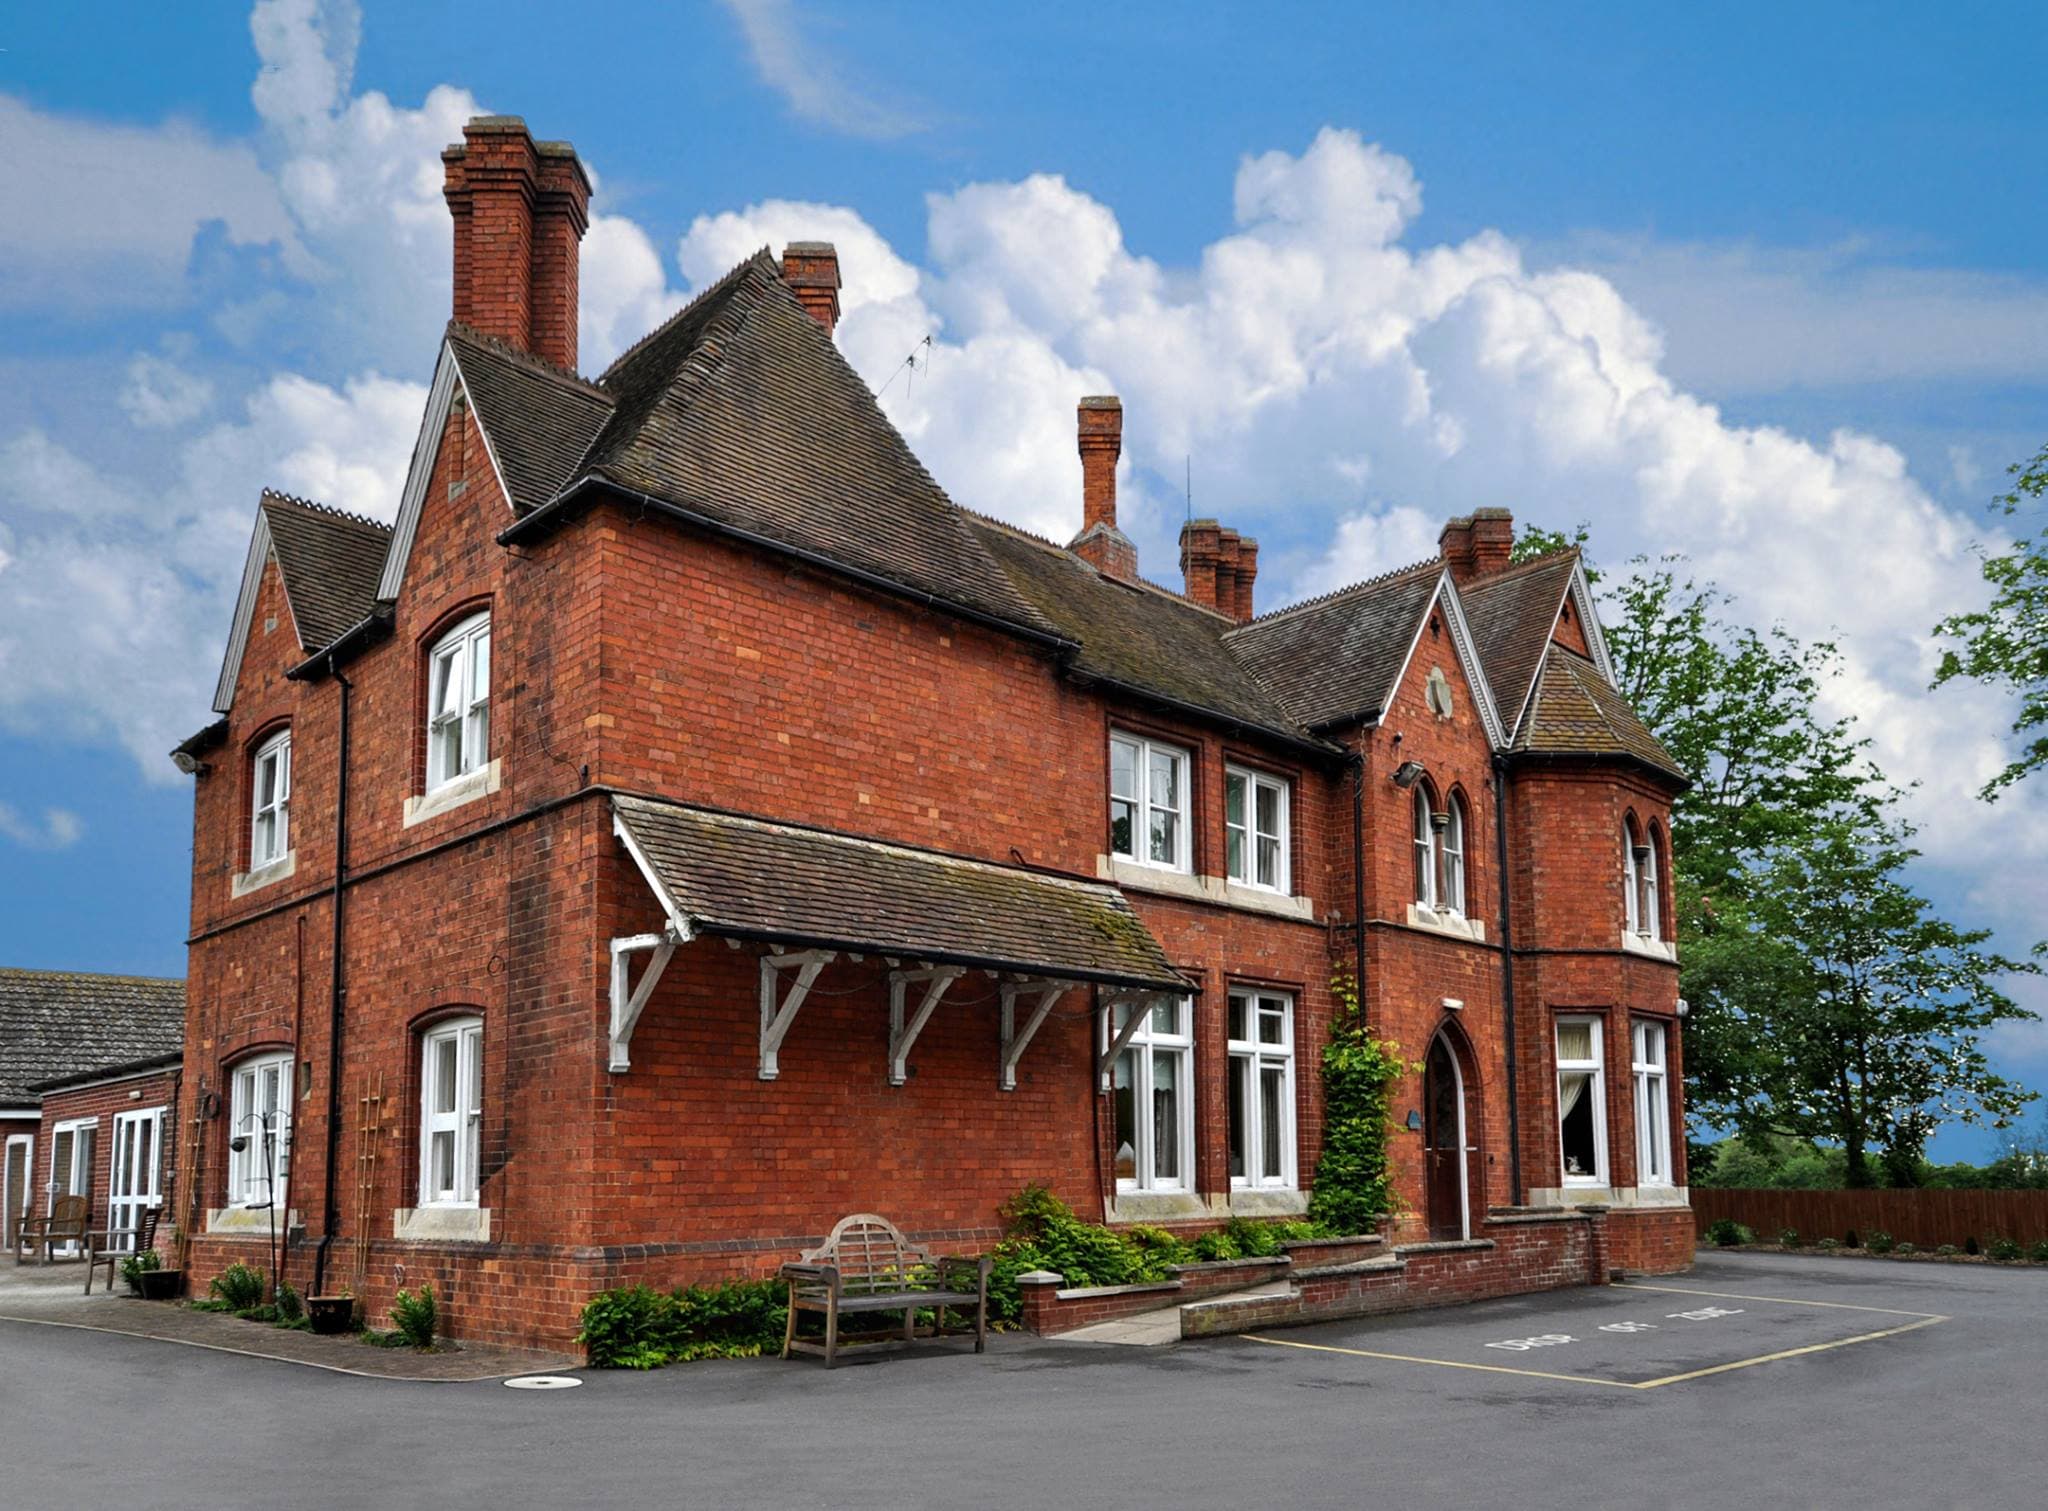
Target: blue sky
{"type": "Point", "coordinates": [1757, 283]}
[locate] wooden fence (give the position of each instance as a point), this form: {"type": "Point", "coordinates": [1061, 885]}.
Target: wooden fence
{"type": "Point", "coordinates": [1922, 1217]}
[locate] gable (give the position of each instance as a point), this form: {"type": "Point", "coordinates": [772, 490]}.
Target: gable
{"type": "Point", "coordinates": [1337, 659]}
{"type": "Point", "coordinates": [1445, 609]}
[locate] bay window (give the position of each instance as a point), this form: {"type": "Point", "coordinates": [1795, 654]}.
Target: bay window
{"type": "Point", "coordinates": [1581, 1102]}
{"type": "Point", "coordinates": [1148, 802]}
{"type": "Point", "coordinates": [1153, 1092]}
{"type": "Point", "coordinates": [1255, 834]}
{"type": "Point", "coordinates": [259, 1129]}
{"type": "Point", "coordinates": [459, 702]}
{"type": "Point", "coordinates": [1261, 1091]}
{"type": "Point", "coordinates": [451, 1112]}
{"type": "Point", "coordinates": [1653, 1106]}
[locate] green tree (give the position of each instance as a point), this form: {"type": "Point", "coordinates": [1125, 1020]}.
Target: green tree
{"type": "Point", "coordinates": [1848, 1010]}
{"type": "Point", "coordinates": [2006, 643]}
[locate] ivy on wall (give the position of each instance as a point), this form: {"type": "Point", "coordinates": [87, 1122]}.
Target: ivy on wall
{"type": "Point", "coordinates": [1353, 1186]}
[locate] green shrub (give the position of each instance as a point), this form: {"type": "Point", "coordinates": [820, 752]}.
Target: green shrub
{"type": "Point", "coordinates": [1829, 1244]}
{"type": "Point", "coordinates": [291, 1306]}
{"type": "Point", "coordinates": [1946, 1250]}
{"type": "Point", "coordinates": [2002, 1250]}
{"type": "Point", "coordinates": [1906, 1248]}
{"type": "Point", "coordinates": [136, 1265]}
{"type": "Point", "coordinates": [637, 1327]}
{"type": "Point", "coordinates": [414, 1316]}
{"type": "Point", "coordinates": [238, 1288]}
{"type": "Point", "coordinates": [2039, 1252]}
{"type": "Point", "coordinates": [1880, 1242]}
{"type": "Point", "coordinates": [1726, 1232]}
{"type": "Point", "coordinates": [1788, 1238]}
{"type": "Point", "coordinates": [1353, 1188]}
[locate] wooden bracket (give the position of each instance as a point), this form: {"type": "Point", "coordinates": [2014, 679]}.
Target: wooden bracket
{"type": "Point", "coordinates": [775, 1020]}
{"type": "Point", "coordinates": [903, 1032]}
{"type": "Point", "coordinates": [1016, 1040]}
{"type": "Point", "coordinates": [1141, 1009]}
{"type": "Point", "coordinates": [628, 1005]}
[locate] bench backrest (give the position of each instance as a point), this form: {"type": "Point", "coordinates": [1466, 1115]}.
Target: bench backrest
{"type": "Point", "coordinates": [871, 1253]}
{"type": "Point", "coordinates": [69, 1216]}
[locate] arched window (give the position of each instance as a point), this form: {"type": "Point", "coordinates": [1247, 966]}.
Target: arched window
{"type": "Point", "coordinates": [1452, 844]}
{"type": "Point", "coordinates": [270, 801]}
{"type": "Point", "coordinates": [459, 701]}
{"type": "Point", "coordinates": [451, 1111]}
{"type": "Point", "coordinates": [1630, 885]}
{"type": "Point", "coordinates": [259, 1127]}
{"type": "Point", "coordinates": [1648, 863]}
{"type": "Point", "coordinates": [1425, 849]}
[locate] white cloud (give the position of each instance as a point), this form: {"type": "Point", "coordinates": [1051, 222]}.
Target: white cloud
{"type": "Point", "coordinates": [160, 395]}
{"type": "Point", "coordinates": [59, 828]}
{"type": "Point", "coordinates": [815, 88]}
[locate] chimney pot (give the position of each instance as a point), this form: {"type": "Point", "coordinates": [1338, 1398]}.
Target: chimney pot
{"type": "Point", "coordinates": [811, 269]}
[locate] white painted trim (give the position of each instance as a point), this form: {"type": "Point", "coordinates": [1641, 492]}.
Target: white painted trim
{"type": "Point", "coordinates": [1451, 925]}
{"type": "Point", "coordinates": [1589, 620]}
{"type": "Point", "coordinates": [245, 612]}
{"type": "Point", "coordinates": [466, 788]}
{"type": "Point", "coordinates": [1016, 1040]}
{"type": "Point", "coordinates": [627, 1004]}
{"type": "Point", "coordinates": [432, 423]}
{"type": "Point", "coordinates": [242, 883]}
{"type": "Point", "coordinates": [490, 451]}
{"type": "Point", "coordinates": [1468, 660]}
{"type": "Point", "coordinates": [905, 1026]}
{"type": "Point", "coordinates": [1648, 945]}
{"type": "Point", "coordinates": [678, 919]}
{"type": "Point", "coordinates": [1465, 1150]}
{"type": "Point", "coordinates": [1514, 725]}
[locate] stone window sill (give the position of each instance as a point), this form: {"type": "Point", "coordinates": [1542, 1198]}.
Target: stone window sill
{"type": "Point", "coordinates": [467, 788]}
{"type": "Point", "coordinates": [1644, 944]}
{"type": "Point", "coordinates": [1450, 925]}
{"type": "Point", "coordinates": [1210, 889]}
{"type": "Point", "coordinates": [249, 1222]}
{"type": "Point", "coordinates": [441, 1224]}
{"type": "Point", "coordinates": [1609, 1196]}
{"type": "Point", "coordinates": [1267, 1201]}
{"type": "Point", "coordinates": [245, 882]}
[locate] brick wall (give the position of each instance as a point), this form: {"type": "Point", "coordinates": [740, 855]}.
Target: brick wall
{"type": "Point", "coordinates": [103, 1103]}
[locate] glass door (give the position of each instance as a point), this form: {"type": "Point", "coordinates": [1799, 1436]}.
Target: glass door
{"type": "Point", "coordinates": [71, 1150]}
{"type": "Point", "coordinates": [135, 1182]}
{"type": "Point", "coordinates": [16, 1176]}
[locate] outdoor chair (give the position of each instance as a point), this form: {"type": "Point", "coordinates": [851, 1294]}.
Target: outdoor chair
{"type": "Point", "coordinates": [105, 1247]}
{"type": "Point", "coordinates": [65, 1222]}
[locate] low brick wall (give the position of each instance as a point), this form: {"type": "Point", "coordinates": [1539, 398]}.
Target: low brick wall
{"type": "Point", "coordinates": [1517, 1253]}
{"type": "Point", "coordinates": [1650, 1240]}
{"type": "Point", "coordinates": [1052, 1306]}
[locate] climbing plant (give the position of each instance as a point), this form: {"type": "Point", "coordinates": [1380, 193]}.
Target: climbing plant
{"type": "Point", "coordinates": [1352, 1185]}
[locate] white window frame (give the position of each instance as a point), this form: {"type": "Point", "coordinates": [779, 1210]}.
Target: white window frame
{"type": "Point", "coordinates": [1249, 835]}
{"type": "Point", "coordinates": [77, 1179]}
{"type": "Point", "coordinates": [1451, 856]}
{"type": "Point", "coordinates": [1653, 1101]}
{"type": "Point", "coordinates": [1630, 884]}
{"type": "Point", "coordinates": [463, 1123]}
{"type": "Point", "coordinates": [1136, 1062]}
{"type": "Point", "coordinates": [270, 830]}
{"type": "Point", "coordinates": [1596, 1088]}
{"type": "Point", "coordinates": [17, 1202]}
{"type": "Point", "coordinates": [256, 1172]}
{"type": "Point", "coordinates": [132, 1191]}
{"type": "Point", "coordinates": [1423, 836]}
{"type": "Point", "coordinates": [1249, 1057]}
{"type": "Point", "coordinates": [1651, 912]}
{"type": "Point", "coordinates": [458, 709]}
{"type": "Point", "coordinates": [1142, 807]}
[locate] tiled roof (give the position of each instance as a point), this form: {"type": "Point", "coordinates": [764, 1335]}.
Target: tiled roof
{"type": "Point", "coordinates": [1511, 614]}
{"type": "Point", "coordinates": [1577, 713]}
{"type": "Point", "coordinates": [329, 561]}
{"type": "Point", "coordinates": [1334, 659]}
{"type": "Point", "coordinates": [538, 420]}
{"type": "Point", "coordinates": [746, 878]}
{"type": "Point", "coordinates": [63, 1023]}
{"type": "Point", "coordinates": [1135, 634]}
{"type": "Point", "coordinates": [742, 410]}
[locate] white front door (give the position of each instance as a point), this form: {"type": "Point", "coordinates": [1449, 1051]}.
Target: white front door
{"type": "Point", "coordinates": [71, 1151]}
{"type": "Point", "coordinates": [17, 1177]}
{"type": "Point", "coordinates": [135, 1180]}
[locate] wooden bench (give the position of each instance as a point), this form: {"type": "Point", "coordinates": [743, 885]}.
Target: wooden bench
{"type": "Point", "coordinates": [867, 1265]}
{"type": "Point", "coordinates": [66, 1222]}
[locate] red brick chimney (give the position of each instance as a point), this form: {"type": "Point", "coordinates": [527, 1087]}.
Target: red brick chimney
{"type": "Point", "coordinates": [1478, 544]}
{"type": "Point", "coordinates": [1100, 426]}
{"type": "Point", "coordinates": [811, 269]}
{"type": "Point", "coordinates": [1218, 567]}
{"type": "Point", "coordinates": [1454, 545]}
{"type": "Point", "coordinates": [520, 209]}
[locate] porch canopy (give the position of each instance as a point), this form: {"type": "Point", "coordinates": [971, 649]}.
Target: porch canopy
{"type": "Point", "coordinates": [812, 896]}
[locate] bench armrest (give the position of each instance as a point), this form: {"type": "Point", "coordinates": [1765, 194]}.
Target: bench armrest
{"type": "Point", "coordinates": [826, 1275]}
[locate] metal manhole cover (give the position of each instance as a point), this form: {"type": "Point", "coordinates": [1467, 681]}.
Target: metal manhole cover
{"type": "Point", "coordinates": [543, 1382]}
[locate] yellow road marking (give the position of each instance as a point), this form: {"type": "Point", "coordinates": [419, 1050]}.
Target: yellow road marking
{"type": "Point", "coordinates": [1491, 1369]}
{"type": "Point", "coordinates": [1839, 1306]}
{"type": "Point", "coordinates": [1926, 1320]}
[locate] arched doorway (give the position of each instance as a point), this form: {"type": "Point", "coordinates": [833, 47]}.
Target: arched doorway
{"type": "Point", "coordinates": [1445, 1162]}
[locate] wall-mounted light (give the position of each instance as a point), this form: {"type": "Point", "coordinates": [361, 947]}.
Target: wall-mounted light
{"type": "Point", "coordinates": [1684, 1007]}
{"type": "Point", "coordinates": [189, 763]}
{"type": "Point", "coordinates": [1407, 774]}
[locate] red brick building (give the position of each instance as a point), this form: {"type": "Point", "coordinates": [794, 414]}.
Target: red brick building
{"type": "Point", "coordinates": [686, 826]}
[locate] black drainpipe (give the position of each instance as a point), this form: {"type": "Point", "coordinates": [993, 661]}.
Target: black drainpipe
{"type": "Point", "coordinates": [337, 995]}
{"type": "Point", "coordinates": [1507, 970]}
{"type": "Point", "coordinates": [1358, 880]}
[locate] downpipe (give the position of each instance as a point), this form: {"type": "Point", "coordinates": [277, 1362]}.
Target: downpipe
{"type": "Point", "coordinates": [330, 1221]}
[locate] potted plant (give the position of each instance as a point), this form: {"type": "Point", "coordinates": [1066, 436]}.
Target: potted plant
{"type": "Point", "coordinates": [331, 1314]}
{"type": "Point", "coordinates": [147, 1277]}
